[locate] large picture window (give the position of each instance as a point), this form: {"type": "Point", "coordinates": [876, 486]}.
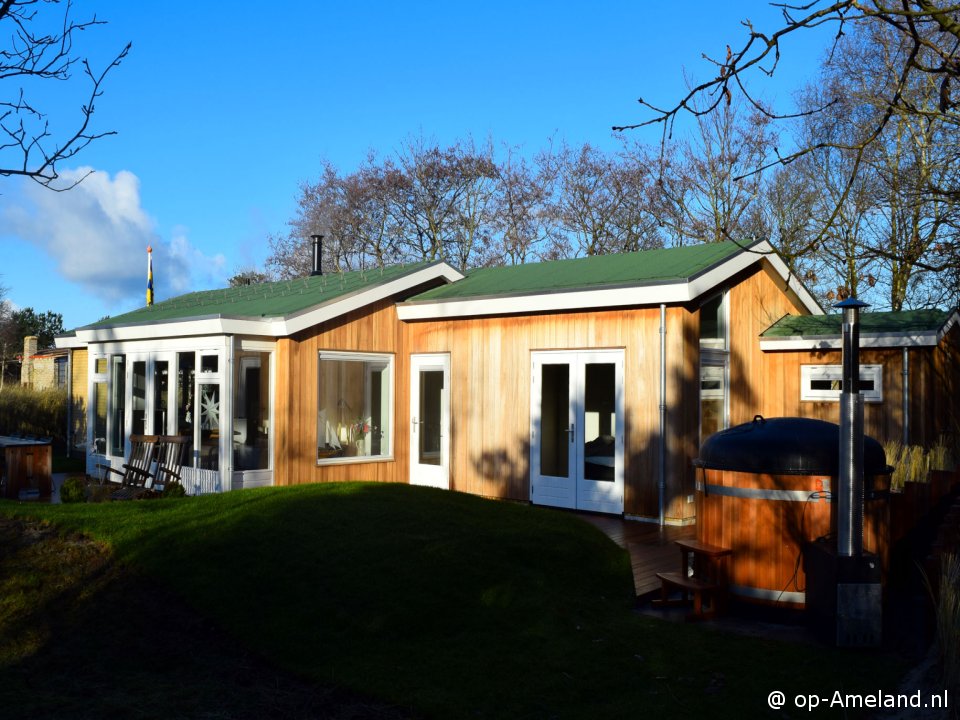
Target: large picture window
{"type": "Point", "coordinates": [355, 408]}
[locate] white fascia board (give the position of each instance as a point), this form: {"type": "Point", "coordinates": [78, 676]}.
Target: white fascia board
{"type": "Point", "coordinates": [213, 325]}
{"type": "Point", "coordinates": [951, 321]}
{"type": "Point", "coordinates": [652, 294]}
{"type": "Point", "coordinates": [546, 302]}
{"type": "Point", "coordinates": [267, 327]}
{"type": "Point", "coordinates": [315, 316]}
{"type": "Point", "coordinates": [793, 282]}
{"type": "Point", "coordinates": [876, 340]}
{"type": "Point", "coordinates": [69, 342]}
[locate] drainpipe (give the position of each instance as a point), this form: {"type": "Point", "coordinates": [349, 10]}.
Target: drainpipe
{"type": "Point", "coordinates": [69, 389]}
{"type": "Point", "coordinates": [906, 397]}
{"type": "Point", "coordinates": [662, 475]}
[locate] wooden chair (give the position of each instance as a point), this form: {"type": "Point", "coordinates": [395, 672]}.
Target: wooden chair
{"type": "Point", "coordinates": [170, 450]}
{"type": "Point", "coordinates": [137, 471]}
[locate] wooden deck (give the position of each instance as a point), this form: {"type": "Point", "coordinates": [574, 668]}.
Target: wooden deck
{"type": "Point", "coordinates": [651, 547]}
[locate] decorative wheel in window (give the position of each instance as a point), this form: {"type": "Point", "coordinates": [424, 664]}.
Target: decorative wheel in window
{"type": "Point", "coordinates": [210, 408]}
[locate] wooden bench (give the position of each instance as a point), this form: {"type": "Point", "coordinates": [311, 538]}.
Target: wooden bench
{"type": "Point", "coordinates": [702, 576]}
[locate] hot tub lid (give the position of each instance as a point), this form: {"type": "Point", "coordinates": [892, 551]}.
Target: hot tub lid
{"type": "Point", "coordinates": [785, 446]}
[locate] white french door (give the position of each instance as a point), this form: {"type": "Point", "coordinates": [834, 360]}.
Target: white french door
{"type": "Point", "coordinates": [149, 402]}
{"type": "Point", "coordinates": [430, 420]}
{"type": "Point", "coordinates": [576, 430]}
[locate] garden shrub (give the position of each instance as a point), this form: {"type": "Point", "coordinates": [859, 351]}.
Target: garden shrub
{"type": "Point", "coordinates": [73, 490]}
{"type": "Point", "coordinates": [173, 490]}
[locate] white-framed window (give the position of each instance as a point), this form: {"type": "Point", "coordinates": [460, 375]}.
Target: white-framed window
{"type": "Point", "coordinates": [713, 323]}
{"type": "Point", "coordinates": [355, 407]}
{"type": "Point", "coordinates": [714, 364]}
{"type": "Point", "coordinates": [824, 383]}
{"type": "Point", "coordinates": [99, 405]}
{"type": "Point", "coordinates": [713, 394]}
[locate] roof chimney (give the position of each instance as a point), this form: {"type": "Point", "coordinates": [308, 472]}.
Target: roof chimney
{"type": "Point", "coordinates": [317, 255]}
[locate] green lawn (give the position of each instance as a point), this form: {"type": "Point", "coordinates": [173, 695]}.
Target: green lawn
{"type": "Point", "coordinates": [445, 604]}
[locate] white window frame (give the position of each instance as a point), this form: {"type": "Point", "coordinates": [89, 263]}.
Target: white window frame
{"type": "Point", "coordinates": [809, 373]}
{"type": "Point", "coordinates": [721, 343]}
{"type": "Point", "coordinates": [387, 359]}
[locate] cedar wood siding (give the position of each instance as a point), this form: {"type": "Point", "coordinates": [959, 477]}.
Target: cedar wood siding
{"type": "Point", "coordinates": [490, 365]}
{"type": "Point", "coordinates": [934, 386]}
{"type": "Point", "coordinates": [374, 328]}
{"type": "Point", "coordinates": [757, 385]}
{"type": "Point", "coordinates": [490, 396]}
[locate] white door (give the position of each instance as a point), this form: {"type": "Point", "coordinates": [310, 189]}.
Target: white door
{"type": "Point", "coordinates": [576, 430]}
{"type": "Point", "coordinates": [149, 403]}
{"type": "Point", "coordinates": [430, 420]}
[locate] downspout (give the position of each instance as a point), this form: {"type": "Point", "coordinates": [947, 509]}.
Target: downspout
{"type": "Point", "coordinates": [906, 397]}
{"type": "Point", "coordinates": [69, 434]}
{"type": "Point", "coordinates": [662, 474]}
{"type": "Point", "coordinates": [226, 424]}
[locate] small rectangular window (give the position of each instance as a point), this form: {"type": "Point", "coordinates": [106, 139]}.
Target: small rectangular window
{"type": "Point", "coordinates": [60, 371]}
{"type": "Point", "coordinates": [824, 383]}
{"type": "Point", "coordinates": [713, 326]}
{"type": "Point", "coordinates": [355, 407]}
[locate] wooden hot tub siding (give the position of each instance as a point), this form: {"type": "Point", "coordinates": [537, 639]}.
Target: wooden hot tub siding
{"type": "Point", "coordinates": [768, 530]}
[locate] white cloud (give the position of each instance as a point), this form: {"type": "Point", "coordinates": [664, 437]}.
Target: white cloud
{"type": "Point", "coordinates": [98, 234]}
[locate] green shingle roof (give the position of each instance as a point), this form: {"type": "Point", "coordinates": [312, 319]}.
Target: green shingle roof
{"type": "Point", "coordinates": [263, 300]}
{"type": "Point", "coordinates": [904, 322]}
{"type": "Point", "coordinates": [648, 267]}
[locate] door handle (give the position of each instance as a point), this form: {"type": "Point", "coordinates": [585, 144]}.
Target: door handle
{"type": "Point", "coordinates": [572, 432]}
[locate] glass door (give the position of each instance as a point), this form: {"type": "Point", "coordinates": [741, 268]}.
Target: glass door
{"type": "Point", "coordinates": [553, 435]}
{"type": "Point", "coordinates": [576, 431]}
{"type": "Point", "coordinates": [430, 420]}
{"type": "Point", "coordinates": [148, 400]}
{"type": "Point", "coordinates": [252, 409]}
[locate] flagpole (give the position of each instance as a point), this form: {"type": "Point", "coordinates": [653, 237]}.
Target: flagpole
{"type": "Point", "coordinates": [149, 275]}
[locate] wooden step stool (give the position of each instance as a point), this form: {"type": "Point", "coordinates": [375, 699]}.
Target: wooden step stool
{"type": "Point", "coordinates": [702, 573]}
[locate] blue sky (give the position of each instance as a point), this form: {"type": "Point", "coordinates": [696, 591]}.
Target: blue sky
{"type": "Point", "coordinates": [222, 109]}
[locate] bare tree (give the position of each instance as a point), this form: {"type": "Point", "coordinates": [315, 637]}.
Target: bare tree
{"type": "Point", "coordinates": [927, 31]}
{"type": "Point", "coordinates": [38, 47]}
{"type": "Point", "coordinates": [471, 241]}
{"type": "Point", "coordinates": [521, 222]}
{"type": "Point", "coordinates": [9, 345]}
{"type": "Point", "coordinates": [598, 200]}
{"type": "Point", "coordinates": [710, 191]}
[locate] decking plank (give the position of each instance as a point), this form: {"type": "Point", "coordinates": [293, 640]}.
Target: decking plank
{"type": "Point", "coordinates": [651, 547]}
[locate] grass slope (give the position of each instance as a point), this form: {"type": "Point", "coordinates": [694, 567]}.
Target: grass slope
{"type": "Point", "coordinates": [447, 603]}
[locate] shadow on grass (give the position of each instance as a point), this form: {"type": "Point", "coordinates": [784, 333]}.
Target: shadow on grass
{"type": "Point", "coordinates": [443, 602]}
{"type": "Point", "coordinates": [81, 637]}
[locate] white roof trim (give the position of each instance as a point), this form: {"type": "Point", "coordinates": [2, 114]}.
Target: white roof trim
{"type": "Point", "coordinates": [650, 294]}
{"type": "Point", "coordinates": [68, 342]}
{"type": "Point", "coordinates": [928, 338]}
{"type": "Point", "coordinates": [270, 327]}
{"type": "Point", "coordinates": [877, 340]}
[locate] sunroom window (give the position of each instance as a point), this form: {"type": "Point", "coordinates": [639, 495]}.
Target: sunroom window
{"type": "Point", "coordinates": [354, 407]}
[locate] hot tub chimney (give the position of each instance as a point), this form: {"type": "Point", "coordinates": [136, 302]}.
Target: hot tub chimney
{"type": "Point", "coordinates": [317, 255]}
{"type": "Point", "coordinates": [850, 490]}
{"type": "Point", "coordinates": [844, 596]}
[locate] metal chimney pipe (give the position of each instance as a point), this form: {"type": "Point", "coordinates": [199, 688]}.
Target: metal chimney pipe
{"type": "Point", "coordinates": [850, 483]}
{"type": "Point", "coordinates": [317, 255]}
